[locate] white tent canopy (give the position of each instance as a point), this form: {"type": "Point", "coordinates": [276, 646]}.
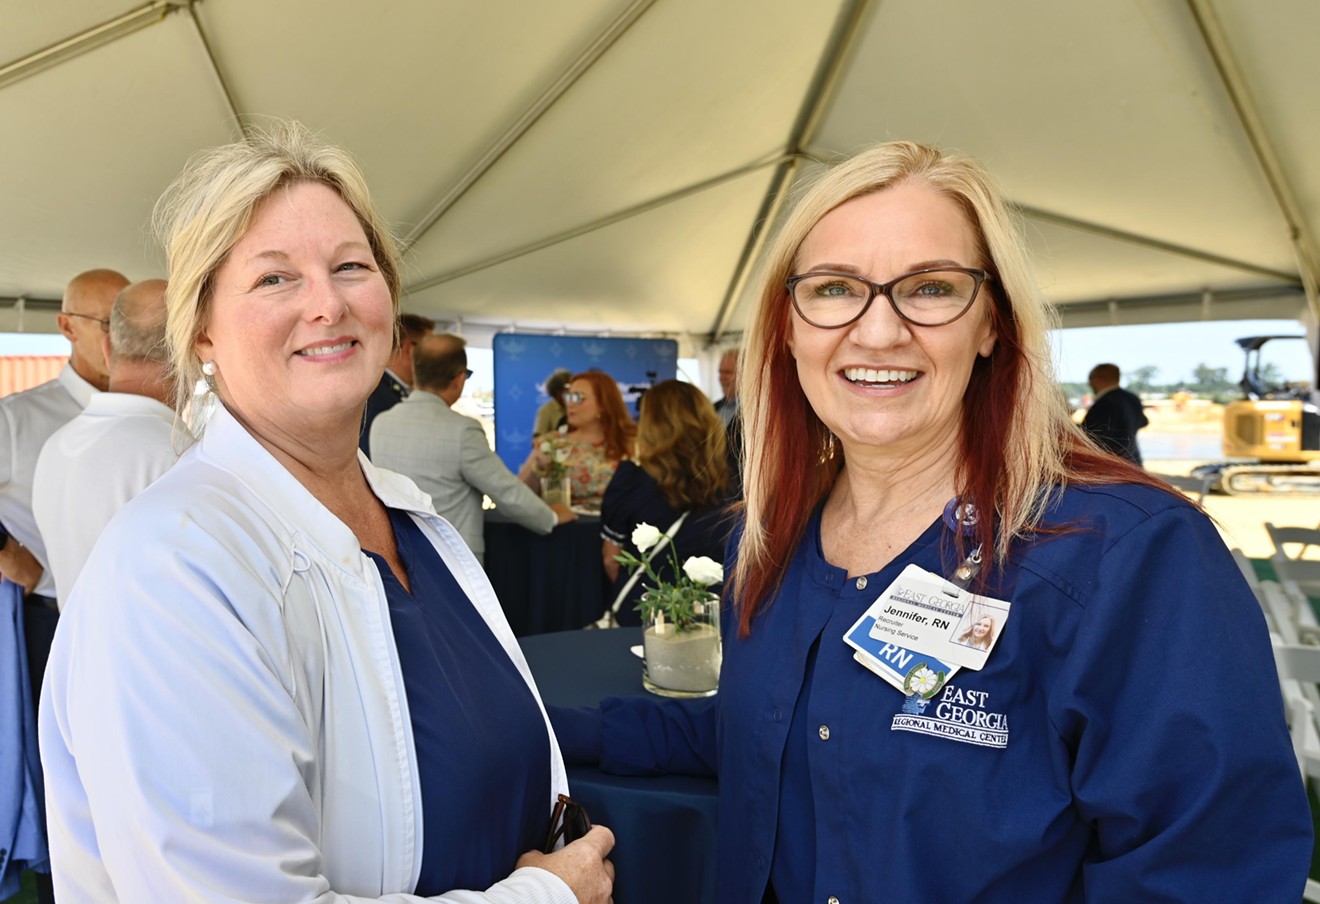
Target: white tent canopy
{"type": "Point", "coordinates": [609, 165]}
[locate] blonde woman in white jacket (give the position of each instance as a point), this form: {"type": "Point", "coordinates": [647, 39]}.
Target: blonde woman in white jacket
{"type": "Point", "coordinates": [281, 677]}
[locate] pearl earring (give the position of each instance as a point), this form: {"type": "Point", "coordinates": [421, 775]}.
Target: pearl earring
{"type": "Point", "coordinates": [208, 369]}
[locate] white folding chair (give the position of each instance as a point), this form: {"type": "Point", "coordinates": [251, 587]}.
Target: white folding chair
{"type": "Point", "coordinates": [1249, 574]}
{"type": "Point", "coordinates": [1285, 615]}
{"type": "Point", "coordinates": [1303, 574]}
{"type": "Point", "coordinates": [1299, 670]}
{"type": "Point", "coordinates": [1281, 537]}
{"type": "Point", "coordinates": [1248, 570]}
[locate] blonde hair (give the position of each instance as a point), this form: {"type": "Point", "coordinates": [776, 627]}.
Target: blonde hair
{"type": "Point", "coordinates": [210, 206]}
{"type": "Point", "coordinates": [1011, 397]}
{"type": "Point", "coordinates": [681, 443]}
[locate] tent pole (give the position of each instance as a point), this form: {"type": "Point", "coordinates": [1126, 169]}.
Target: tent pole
{"type": "Point", "coordinates": [603, 42]}
{"type": "Point", "coordinates": [1253, 126]}
{"type": "Point", "coordinates": [834, 56]}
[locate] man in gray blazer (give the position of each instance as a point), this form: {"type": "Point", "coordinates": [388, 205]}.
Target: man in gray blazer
{"type": "Point", "coordinates": [447, 454]}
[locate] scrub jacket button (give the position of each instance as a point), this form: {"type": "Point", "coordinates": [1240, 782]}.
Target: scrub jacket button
{"type": "Point", "coordinates": [824, 732]}
{"type": "Point", "coordinates": [861, 583]}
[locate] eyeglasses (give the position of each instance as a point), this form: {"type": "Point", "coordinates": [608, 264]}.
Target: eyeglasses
{"type": "Point", "coordinates": [925, 298]}
{"type": "Point", "coordinates": [105, 324]}
{"type": "Point", "coordinates": [569, 821]}
{"type": "Point", "coordinates": [576, 398]}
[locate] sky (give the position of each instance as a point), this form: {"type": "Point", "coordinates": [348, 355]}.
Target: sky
{"type": "Point", "coordinates": [1175, 348]}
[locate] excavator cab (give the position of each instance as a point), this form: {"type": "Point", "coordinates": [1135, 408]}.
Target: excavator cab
{"type": "Point", "coordinates": [1272, 433]}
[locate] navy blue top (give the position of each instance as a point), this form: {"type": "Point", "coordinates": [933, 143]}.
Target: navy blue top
{"type": "Point", "coordinates": [633, 497]}
{"type": "Point", "coordinates": [483, 753]}
{"type": "Point", "coordinates": [1139, 749]}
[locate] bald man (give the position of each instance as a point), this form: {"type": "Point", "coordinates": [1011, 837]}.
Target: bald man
{"type": "Point", "coordinates": [447, 454]}
{"type": "Point", "coordinates": [117, 446]}
{"type": "Point", "coordinates": [27, 419]}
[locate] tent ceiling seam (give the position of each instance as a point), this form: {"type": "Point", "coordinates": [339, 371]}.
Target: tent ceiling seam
{"type": "Point", "coordinates": [1045, 216]}
{"type": "Point", "coordinates": [584, 61]}
{"type": "Point", "coordinates": [820, 92]}
{"type": "Point", "coordinates": [617, 217]}
{"type": "Point", "coordinates": [239, 119]}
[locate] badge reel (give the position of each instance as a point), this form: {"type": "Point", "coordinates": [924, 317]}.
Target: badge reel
{"type": "Point", "coordinates": [924, 627]}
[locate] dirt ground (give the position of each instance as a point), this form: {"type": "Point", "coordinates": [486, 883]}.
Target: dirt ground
{"type": "Point", "coordinates": [1241, 519]}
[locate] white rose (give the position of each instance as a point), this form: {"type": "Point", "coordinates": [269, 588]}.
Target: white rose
{"type": "Point", "coordinates": [644, 536]}
{"type": "Point", "coordinates": [703, 570]}
{"type": "Point", "coordinates": [546, 447]}
{"type": "Point", "coordinates": [561, 455]}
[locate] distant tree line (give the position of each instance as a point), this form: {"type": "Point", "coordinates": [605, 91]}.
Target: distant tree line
{"type": "Point", "coordinates": [1207, 382]}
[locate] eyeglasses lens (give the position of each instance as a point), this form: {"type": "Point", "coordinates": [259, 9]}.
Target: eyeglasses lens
{"type": "Point", "coordinates": [931, 298]}
{"type": "Point", "coordinates": [103, 324]}
{"type": "Point", "coordinates": [575, 398]}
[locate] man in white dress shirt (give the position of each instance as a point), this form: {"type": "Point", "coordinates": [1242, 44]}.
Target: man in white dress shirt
{"type": "Point", "coordinates": [122, 441]}
{"type": "Point", "coordinates": [447, 454]}
{"type": "Point", "coordinates": [27, 419]}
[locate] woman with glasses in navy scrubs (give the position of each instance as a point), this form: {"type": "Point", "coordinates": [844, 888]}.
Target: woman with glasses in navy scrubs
{"type": "Point", "coordinates": [283, 677]}
{"type": "Point", "coordinates": [1124, 738]}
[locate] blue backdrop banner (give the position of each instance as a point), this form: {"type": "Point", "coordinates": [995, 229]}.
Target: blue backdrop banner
{"type": "Point", "coordinates": [523, 362]}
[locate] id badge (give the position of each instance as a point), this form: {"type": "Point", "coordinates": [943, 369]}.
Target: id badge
{"type": "Point", "coordinates": [922, 629]}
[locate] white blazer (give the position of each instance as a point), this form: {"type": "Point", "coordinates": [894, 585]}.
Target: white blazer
{"type": "Point", "coordinates": [223, 716]}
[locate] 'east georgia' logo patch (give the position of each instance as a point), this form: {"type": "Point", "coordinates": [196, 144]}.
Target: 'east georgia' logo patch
{"type": "Point", "coordinates": [957, 715]}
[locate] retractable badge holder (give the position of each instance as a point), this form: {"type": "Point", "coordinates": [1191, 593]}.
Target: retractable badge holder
{"type": "Point", "coordinates": [960, 517]}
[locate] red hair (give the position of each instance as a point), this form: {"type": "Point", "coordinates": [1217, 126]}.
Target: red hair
{"type": "Point", "coordinates": [1017, 443]}
{"type": "Point", "coordinates": [995, 386]}
{"type": "Point", "coordinates": [619, 428]}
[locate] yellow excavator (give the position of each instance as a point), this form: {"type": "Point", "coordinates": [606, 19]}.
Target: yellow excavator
{"type": "Point", "coordinates": [1271, 435]}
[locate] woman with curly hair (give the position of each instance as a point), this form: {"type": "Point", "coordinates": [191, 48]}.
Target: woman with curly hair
{"type": "Point", "coordinates": [681, 467]}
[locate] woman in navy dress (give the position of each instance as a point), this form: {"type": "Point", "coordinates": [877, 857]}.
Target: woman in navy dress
{"type": "Point", "coordinates": [681, 467]}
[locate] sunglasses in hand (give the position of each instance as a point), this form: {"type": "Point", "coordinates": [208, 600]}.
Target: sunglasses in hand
{"type": "Point", "coordinates": [569, 821]}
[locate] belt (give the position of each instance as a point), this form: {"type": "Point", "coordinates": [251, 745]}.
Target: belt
{"type": "Point", "coordinates": [38, 599]}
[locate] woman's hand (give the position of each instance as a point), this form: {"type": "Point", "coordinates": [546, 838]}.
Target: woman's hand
{"type": "Point", "coordinates": [582, 865]}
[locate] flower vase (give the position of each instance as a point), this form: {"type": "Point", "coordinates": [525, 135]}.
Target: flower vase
{"type": "Point", "coordinates": [683, 660]}
{"type": "Point", "coordinates": [556, 490]}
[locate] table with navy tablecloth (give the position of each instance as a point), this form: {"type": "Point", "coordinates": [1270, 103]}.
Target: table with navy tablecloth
{"type": "Point", "coordinates": [546, 583]}
{"type": "Point", "coordinates": [665, 827]}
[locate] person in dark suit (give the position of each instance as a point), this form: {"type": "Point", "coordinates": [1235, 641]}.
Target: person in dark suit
{"type": "Point", "coordinates": [1116, 414]}
{"type": "Point", "coordinates": [396, 382]}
